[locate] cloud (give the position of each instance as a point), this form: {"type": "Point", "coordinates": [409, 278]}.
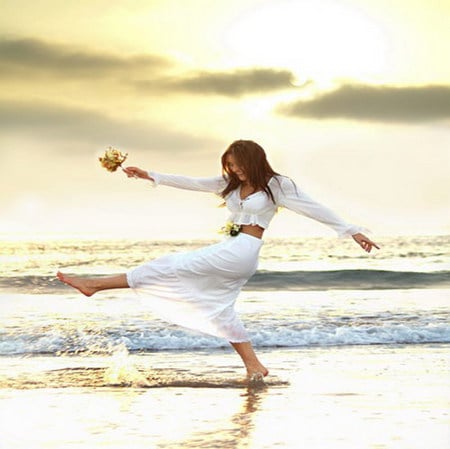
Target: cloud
{"type": "Point", "coordinates": [29, 58]}
{"type": "Point", "coordinates": [232, 83]}
{"type": "Point", "coordinates": [54, 123]}
{"type": "Point", "coordinates": [33, 56]}
{"type": "Point", "coordinates": [376, 104]}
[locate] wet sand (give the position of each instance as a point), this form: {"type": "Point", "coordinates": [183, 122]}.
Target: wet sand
{"type": "Point", "coordinates": [329, 397]}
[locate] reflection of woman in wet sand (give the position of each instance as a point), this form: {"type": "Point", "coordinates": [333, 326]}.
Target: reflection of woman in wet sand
{"type": "Point", "coordinates": [238, 431]}
{"type": "Point", "coordinates": [198, 289]}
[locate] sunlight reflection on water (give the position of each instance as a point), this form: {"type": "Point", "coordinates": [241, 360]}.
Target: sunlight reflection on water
{"type": "Point", "coordinates": [352, 397]}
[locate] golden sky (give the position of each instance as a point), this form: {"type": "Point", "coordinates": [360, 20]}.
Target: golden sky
{"type": "Point", "coordinates": [351, 98]}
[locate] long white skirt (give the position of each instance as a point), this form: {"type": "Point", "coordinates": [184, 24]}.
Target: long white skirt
{"type": "Point", "coordinates": [198, 289]}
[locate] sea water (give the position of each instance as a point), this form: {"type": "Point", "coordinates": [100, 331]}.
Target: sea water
{"type": "Point", "coordinates": [306, 292]}
{"type": "Point", "coordinates": [346, 335]}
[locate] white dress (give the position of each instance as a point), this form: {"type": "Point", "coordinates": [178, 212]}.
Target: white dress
{"type": "Point", "coordinates": [198, 289]}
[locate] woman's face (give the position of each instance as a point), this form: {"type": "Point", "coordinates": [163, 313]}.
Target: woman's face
{"type": "Point", "coordinates": [235, 168]}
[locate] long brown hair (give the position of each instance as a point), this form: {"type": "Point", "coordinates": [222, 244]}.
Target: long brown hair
{"type": "Point", "coordinates": [252, 159]}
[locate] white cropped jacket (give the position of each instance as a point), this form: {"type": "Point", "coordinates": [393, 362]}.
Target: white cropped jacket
{"type": "Point", "coordinates": [257, 208]}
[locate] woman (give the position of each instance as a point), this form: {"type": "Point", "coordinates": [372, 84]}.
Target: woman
{"type": "Point", "coordinates": [198, 289]}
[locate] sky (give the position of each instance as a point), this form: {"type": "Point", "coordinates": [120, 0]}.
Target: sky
{"type": "Point", "coordinates": [350, 98]}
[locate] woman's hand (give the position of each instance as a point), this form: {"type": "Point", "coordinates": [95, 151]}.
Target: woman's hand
{"type": "Point", "coordinates": [135, 172]}
{"type": "Point", "coordinates": [364, 242]}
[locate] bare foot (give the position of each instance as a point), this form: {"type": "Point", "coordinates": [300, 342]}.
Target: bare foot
{"type": "Point", "coordinates": [258, 370]}
{"type": "Point", "coordinates": [81, 284]}
{"type": "Point", "coordinates": [256, 380]}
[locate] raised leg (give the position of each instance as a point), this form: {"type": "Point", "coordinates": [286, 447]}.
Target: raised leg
{"type": "Point", "coordinates": [90, 285]}
{"type": "Point", "coordinates": [248, 356]}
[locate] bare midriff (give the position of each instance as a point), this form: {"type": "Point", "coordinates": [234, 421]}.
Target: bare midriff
{"type": "Point", "coordinates": [254, 230]}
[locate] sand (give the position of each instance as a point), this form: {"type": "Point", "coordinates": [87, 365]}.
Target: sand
{"type": "Point", "coordinates": [325, 397]}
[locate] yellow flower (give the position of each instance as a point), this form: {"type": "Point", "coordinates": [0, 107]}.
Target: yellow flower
{"type": "Point", "coordinates": [231, 229]}
{"type": "Point", "coordinates": [112, 159]}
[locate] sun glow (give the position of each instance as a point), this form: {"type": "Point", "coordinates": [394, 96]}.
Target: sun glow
{"type": "Point", "coordinates": [321, 40]}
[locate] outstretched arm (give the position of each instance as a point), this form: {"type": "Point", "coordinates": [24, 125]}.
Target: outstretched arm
{"type": "Point", "coordinates": [291, 197]}
{"type": "Point", "coordinates": [212, 184]}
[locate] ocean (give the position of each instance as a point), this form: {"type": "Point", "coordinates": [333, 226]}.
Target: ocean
{"type": "Point", "coordinates": [350, 339]}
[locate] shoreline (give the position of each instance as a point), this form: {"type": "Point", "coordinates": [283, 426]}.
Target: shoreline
{"type": "Point", "coordinates": [177, 367]}
{"type": "Point", "coordinates": [353, 397]}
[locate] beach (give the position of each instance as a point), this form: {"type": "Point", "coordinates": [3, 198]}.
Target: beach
{"type": "Point", "coordinates": [356, 359]}
{"type": "Point", "coordinates": [302, 143]}
{"type": "Point", "coordinates": [359, 397]}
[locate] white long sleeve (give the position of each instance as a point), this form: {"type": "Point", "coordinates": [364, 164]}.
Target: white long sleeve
{"type": "Point", "coordinates": [258, 208]}
{"type": "Point", "coordinates": [213, 184]}
{"type": "Point", "coordinates": [290, 196]}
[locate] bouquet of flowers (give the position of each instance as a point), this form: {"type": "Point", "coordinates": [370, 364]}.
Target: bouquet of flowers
{"type": "Point", "coordinates": [231, 229]}
{"type": "Point", "coordinates": [112, 159]}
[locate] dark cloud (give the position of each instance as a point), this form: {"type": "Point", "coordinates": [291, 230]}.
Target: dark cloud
{"type": "Point", "coordinates": [53, 123]}
{"type": "Point", "coordinates": [233, 83]}
{"type": "Point", "coordinates": [376, 104]}
{"type": "Point", "coordinates": [28, 57]}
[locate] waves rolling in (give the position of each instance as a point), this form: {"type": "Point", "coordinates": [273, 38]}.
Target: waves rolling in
{"type": "Point", "coordinates": [280, 280]}
{"type": "Point", "coordinates": [348, 279]}
{"type": "Point", "coordinates": [68, 340]}
{"type": "Point", "coordinates": [289, 302]}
